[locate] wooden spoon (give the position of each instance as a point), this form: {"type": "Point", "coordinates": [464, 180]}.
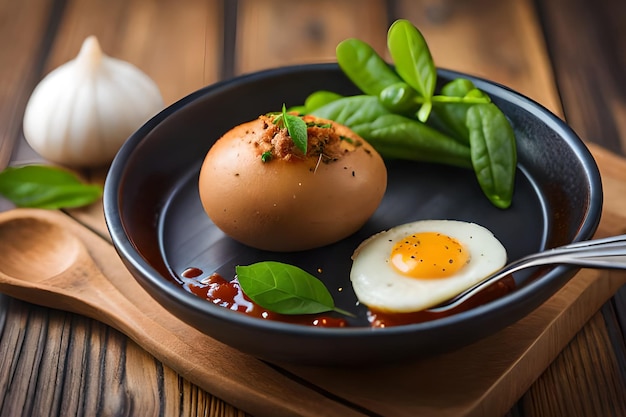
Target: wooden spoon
{"type": "Point", "coordinates": [48, 258]}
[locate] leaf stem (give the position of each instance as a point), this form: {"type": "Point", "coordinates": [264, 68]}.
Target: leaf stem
{"type": "Point", "coordinates": [344, 312]}
{"type": "Point", "coordinates": [465, 100]}
{"type": "Point", "coordinates": [453, 99]}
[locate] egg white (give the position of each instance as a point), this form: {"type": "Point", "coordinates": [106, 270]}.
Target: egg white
{"type": "Point", "coordinates": [379, 286]}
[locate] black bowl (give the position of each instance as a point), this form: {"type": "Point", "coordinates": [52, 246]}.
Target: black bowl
{"type": "Point", "coordinates": [156, 222]}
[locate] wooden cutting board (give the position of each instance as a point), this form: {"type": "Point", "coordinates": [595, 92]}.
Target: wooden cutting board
{"type": "Point", "coordinates": [485, 378]}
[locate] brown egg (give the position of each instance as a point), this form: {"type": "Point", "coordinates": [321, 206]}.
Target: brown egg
{"type": "Point", "coordinates": [261, 190]}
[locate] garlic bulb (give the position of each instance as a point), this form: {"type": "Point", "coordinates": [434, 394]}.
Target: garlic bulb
{"type": "Point", "coordinates": [81, 113]}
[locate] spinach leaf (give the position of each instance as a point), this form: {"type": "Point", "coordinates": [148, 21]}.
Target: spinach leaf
{"type": "Point", "coordinates": [396, 136]}
{"type": "Point", "coordinates": [285, 289]}
{"type": "Point", "coordinates": [400, 98]}
{"type": "Point", "coordinates": [453, 115]}
{"type": "Point", "coordinates": [364, 67]}
{"type": "Point", "coordinates": [493, 151]}
{"type": "Point", "coordinates": [352, 111]}
{"type": "Point", "coordinates": [413, 61]}
{"type": "Point", "coordinates": [393, 135]}
{"type": "Point", "coordinates": [47, 187]}
{"type": "Point", "coordinates": [396, 105]}
{"type": "Point", "coordinates": [320, 98]}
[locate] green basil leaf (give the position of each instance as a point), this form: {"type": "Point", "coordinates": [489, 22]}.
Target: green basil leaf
{"type": "Point", "coordinates": [364, 67]}
{"type": "Point", "coordinates": [297, 130]}
{"type": "Point", "coordinates": [46, 187]}
{"type": "Point", "coordinates": [493, 151]}
{"type": "Point", "coordinates": [412, 57]}
{"type": "Point", "coordinates": [285, 289]}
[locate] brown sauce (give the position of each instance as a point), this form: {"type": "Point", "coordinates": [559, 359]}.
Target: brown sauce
{"type": "Point", "coordinates": [499, 289]}
{"type": "Point", "coordinates": [228, 294]}
{"type": "Point", "coordinates": [192, 272]}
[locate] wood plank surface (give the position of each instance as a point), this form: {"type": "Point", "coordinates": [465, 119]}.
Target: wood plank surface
{"type": "Point", "coordinates": [484, 378]}
{"type": "Point", "coordinates": [180, 59]}
{"type": "Point", "coordinates": [19, 72]}
{"type": "Point", "coordinates": [587, 43]}
{"type": "Point", "coordinates": [81, 367]}
{"type": "Point", "coordinates": [548, 50]}
{"type": "Point", "coordinates": [589, 378]}
{"type": "Point", "coordinates": [272, 33]}
{"type": "Point", "coordinates": [498, 40]}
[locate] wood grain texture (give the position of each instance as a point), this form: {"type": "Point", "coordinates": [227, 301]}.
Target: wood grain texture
{"type": "Point", "coordinates": [584, 398]}
{"type": "Point", "coordinates": [498, 40]}
{"type": "Point", "coordinates": [485, 378]}
{"type": "Point", "coordinates": [589, 377]}
{"type": "Point", "coordinates": [272, 33]}
{"type": "Point", "coordinates": [54, 363]}
{"type": "Point", "coordinates": [20, 71]}
{"type": "Point", "coordinates": [81, 273]}
{"type": "Point", "coordinates": [482, 379]}
{"type": "Point", "coordinates": [81, 367]}
{"type": "Point", "coordinates": [585, 41]}
{"type": "Point", "coordinates": [455, 32]}
{"type": "Point", "coordinates": [180, 60]}
{"type": "Point", "coordinates": [587, 44]}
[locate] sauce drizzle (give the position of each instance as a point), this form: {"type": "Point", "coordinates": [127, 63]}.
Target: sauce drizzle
{"type": "Point", "coordinates": [228, 294]}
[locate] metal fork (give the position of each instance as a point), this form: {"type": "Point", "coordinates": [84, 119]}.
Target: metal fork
{"type": "Point", "coordinates": [605, 253]}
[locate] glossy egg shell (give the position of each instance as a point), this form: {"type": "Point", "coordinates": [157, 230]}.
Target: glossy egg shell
{"type": "Point", "coordinates": [289, 205]}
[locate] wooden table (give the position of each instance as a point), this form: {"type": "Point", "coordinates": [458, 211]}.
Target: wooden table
{"type": "Point", "coordinates": [569, 55]}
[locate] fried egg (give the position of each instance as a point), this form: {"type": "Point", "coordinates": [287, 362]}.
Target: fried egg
{"type": "Point", "coordinates": [418, 265]}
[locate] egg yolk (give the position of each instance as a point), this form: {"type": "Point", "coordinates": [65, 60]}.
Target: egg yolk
{"type": "Point", "coordinates": [428, 255]}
